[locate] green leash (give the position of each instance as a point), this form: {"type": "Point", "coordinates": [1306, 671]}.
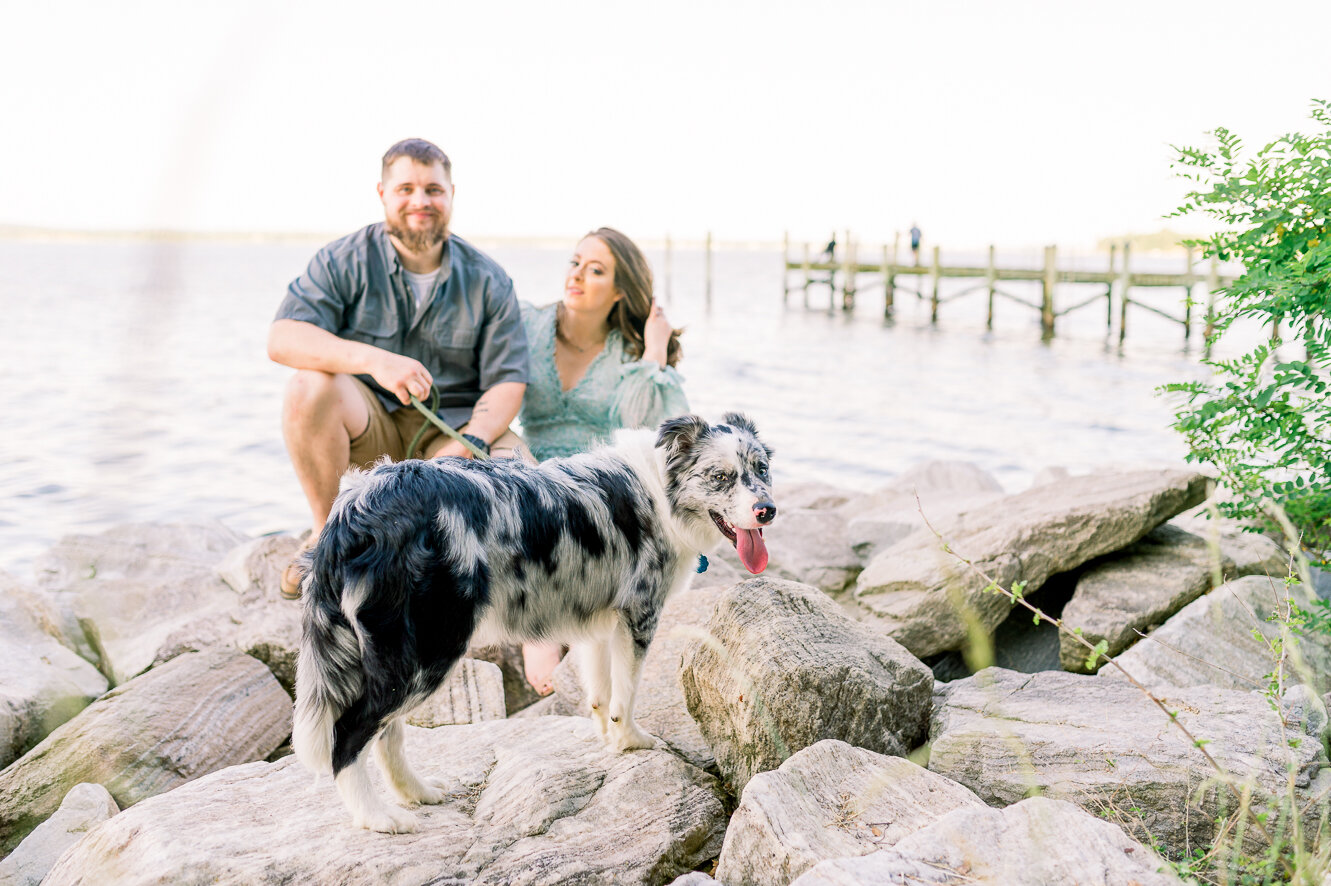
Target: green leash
{"type": "Point", "coordinates": [431, 418]}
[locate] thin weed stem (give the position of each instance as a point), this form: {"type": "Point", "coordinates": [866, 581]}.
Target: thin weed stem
{"type": "Point", "coordinates": [1222, 774]}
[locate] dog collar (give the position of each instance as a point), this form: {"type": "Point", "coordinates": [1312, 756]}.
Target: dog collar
{"type": "Point", "coordinates": [702, 563]}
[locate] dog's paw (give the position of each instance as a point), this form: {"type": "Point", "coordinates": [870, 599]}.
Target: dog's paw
{"type": "Point", "coordinates": [388, 821]}
{"type": "Point", "coordinates": [630, 738]}
{"type": "Point", "coordinates": [428, 791]}
{"type": "Point", "coordinates": [434, 792]}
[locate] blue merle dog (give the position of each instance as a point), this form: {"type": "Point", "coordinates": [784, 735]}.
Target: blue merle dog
{"type": "Point", "coordinates": [419, 559]}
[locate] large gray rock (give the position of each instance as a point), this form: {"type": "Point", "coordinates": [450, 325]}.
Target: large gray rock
{"type": "Point", "coordinates": [941, 489]}
{"type": "Point", "coordinates": [193, 715]}
{"type": "Point", "coordinates": [945, 478]}
{"type": "Point", "coordinates": [1247, 553]}
{"type": "Point", "coordinates": [915, 590]}
{"type": "Point", "coordinates": [1136, 589]}
{"type": "Point", "coordinates": [42, 682]}
{"type": "Point", "coordinates": [1211, 641]}
{"type": "Point", "coordinates": [826, 534]}
{"type": "Point", "coordinates": [694, 878]}
{"type": "Point", "coordinates": [261, 623]}
{"type": "Point", "coordinates": [783, 667]}
{"type": "Point", "coordinates": [122, 593]}
{"type": "Point", "coordinates": [830, 800]}
{"type": "Point", "coordinates": [814, 494]}
{"type": "Point", "coordinates": [1037, 842]}
{"type": "Point", "coordinates": [1321, 581]}
{"type": "Point", "coordinates": [659, 706]}
{"type": "Point", "coordinates": [84, 807]}
{"type": "Point", "coordinates": [1104, 745]}
{"type": "Point", "coordinates": [473, 693]}
{"type": "Point", "coordinates": [535, 801]}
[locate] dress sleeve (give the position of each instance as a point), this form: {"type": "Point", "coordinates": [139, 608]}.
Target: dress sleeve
{"type": "Point", "coordinates": [648, 393]}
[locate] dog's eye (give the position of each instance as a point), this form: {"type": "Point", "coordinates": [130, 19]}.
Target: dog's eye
{"type": "Point", "coordinates": [761, 468]}
{"type": "Point", "coordinates": [716, 475]}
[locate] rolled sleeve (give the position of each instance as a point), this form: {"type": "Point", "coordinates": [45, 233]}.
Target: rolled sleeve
{"type": "Point", "coordinates": [648, 393]}
{"type": "Point", "coordinates": [502, 346]}
{"type": "Point", "coordinates": [318, 296]}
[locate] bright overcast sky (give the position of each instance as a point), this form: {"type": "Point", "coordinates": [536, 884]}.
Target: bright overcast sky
{"type": "Point", "coordinates": [1009, 122]}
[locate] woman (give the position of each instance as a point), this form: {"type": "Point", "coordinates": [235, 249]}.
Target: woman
{"type": "Point", "coordinates": [603, 358]}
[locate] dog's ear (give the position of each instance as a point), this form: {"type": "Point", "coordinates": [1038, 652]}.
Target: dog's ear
{"type": "Point", "coordinates": [741, 421]}
{"type": "Point", "coordinates": [681, 434]}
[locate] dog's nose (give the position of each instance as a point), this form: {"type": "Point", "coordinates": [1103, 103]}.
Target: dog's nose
{"type": "Point", "coordinates": [764, 512]}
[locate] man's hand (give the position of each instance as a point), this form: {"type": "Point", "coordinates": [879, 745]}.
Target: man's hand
{"type": "Point", "coordinates": [403, 376]}
{"type": "Point", "coordinates": [489, 418]}
{"type": "Point", "coordinates": [302, 345]}
{"type": "Point", "coordinates": [656, 335]}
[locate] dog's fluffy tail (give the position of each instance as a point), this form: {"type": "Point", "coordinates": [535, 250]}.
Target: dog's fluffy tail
{"type": "Point", "coordinates": [328, 672]}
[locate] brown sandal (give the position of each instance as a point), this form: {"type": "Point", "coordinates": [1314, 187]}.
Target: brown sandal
{"type": "Point", "coordinates": [294, 574]}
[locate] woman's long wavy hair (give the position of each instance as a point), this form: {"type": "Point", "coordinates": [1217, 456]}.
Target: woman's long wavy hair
{"type": "Point", "coordinates": [633, 277]}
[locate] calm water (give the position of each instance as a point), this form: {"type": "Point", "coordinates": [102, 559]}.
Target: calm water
{"type": "Point", "coordinates": [136, 385]}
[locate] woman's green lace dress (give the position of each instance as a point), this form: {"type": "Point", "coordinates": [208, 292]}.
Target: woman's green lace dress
{"type": "Point", "coordinates": [612, 394]}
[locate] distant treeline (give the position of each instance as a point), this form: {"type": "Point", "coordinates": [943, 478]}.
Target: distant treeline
{"type": "Point", "coordinates": [1163, 240]}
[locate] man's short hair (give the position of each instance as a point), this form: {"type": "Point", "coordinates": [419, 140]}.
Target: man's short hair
{"type": "Point", "coordinates": [418, 149]}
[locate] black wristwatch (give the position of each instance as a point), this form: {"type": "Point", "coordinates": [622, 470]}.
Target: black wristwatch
{"type": "Point", "coordinates": [477, 442]}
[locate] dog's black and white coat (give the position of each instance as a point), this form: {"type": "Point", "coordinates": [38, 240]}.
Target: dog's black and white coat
{"type": "Point", "coordinates": [421, 558]}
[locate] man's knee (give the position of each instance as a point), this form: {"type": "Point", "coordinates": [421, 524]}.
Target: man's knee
{"type": "Point", "coordinates": [321, 403]}
{"type": "Point", "coordinates": [309, 388]}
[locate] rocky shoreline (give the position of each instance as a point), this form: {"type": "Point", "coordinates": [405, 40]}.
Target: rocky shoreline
{"type": "Point", "coordinates": [816, 725]}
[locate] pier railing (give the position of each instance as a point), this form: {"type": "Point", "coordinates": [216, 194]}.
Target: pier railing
{"type": "Point", "coordinates": [1118, 279]}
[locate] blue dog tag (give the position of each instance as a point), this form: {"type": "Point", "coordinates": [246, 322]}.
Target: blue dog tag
{"type": "Point", "coordinates": [702, 563]}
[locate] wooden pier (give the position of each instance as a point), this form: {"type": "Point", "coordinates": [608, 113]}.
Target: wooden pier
{"type": "Point", "coordinates": [1118, 280]}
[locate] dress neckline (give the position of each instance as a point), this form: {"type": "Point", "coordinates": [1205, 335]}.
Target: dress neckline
{"type": "Point", "coordinates": [611, 336]}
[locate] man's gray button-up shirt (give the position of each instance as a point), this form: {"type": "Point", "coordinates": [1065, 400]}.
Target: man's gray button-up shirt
{"type": "Point", "coordinates": [468, 332]}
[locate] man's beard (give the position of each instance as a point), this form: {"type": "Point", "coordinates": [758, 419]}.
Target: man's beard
{"type": "Point", "coordinates": [419, 241]}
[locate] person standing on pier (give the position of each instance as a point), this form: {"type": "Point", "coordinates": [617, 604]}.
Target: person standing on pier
{"type": "Point", "coordinates": [829, 251]}
{"type": "Point", "coordinates": [399, 309]}
{"type": "Point", "coordinates": [915, 242]}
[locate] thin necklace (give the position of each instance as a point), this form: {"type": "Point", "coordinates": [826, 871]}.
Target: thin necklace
{"type": "Point", "coordinates": [559, 333]}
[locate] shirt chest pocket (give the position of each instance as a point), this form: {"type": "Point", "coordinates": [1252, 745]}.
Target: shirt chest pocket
{"type": "Point", "coordinates": [370, 322]}
{"type": "Point", "coordinates": [452, 345]}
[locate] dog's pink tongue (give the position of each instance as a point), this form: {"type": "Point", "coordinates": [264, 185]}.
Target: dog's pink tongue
{"type": "Point", "coordinates": [752, 550]}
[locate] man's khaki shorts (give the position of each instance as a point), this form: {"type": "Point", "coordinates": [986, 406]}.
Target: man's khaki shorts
{"type": "Point", "coordinates": [389, 433]}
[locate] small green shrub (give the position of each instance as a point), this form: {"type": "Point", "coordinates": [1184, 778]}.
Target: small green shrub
{"type": "Point", "coordinates": [1263, 420]}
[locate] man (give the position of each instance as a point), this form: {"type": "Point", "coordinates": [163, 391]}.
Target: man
{"type": "Point", "coordinates": [398, 309]}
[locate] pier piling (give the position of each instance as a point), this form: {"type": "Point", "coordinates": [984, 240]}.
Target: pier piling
{"type": "Point", "coordinates": [708, 291]}
{"type": "Point", "coordinates": [937, 272]}
{"type": "Point", "coordinates": [1047, 293]}
{"type": "Point", "coordinates": [990, 277]}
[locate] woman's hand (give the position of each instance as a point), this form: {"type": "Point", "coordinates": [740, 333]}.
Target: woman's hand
{"type": "Point", "coordinates": [656, 335]}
